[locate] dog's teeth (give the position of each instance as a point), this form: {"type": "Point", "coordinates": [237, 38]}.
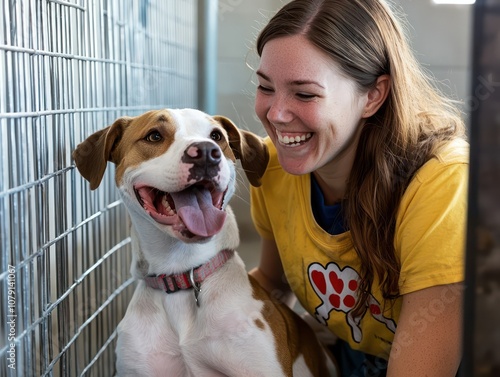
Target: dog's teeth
{"type": "Point", "coordinates": [168, 210]}
{"type": "Point", "coordinates": [165, 204]}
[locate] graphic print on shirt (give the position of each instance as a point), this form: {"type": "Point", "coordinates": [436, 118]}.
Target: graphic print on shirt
{"type": "Point", "coordinates": [337, 289]}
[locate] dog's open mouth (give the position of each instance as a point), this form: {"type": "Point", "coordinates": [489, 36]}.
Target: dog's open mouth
{"type": "Point", "coordinates": [199, 208]}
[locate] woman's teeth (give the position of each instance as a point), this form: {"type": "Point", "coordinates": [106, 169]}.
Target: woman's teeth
{"type": "Point", "coordinates": [293, 140]}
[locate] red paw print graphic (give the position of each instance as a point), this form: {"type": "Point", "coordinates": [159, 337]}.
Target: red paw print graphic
{"type": "Point", "coordinates": [337, 289]}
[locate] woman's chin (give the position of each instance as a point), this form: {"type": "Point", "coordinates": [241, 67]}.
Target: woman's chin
{"type": "Point", "coordinates": [295, 166]}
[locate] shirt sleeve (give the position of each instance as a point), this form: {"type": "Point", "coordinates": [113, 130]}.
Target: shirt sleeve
{"type": "Point", "coordinates": [430, 229]}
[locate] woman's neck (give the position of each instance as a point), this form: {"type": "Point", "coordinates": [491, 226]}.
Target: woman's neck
{"type": "Point", "coordinates": [333, 187]}
{"type": "Point", "coordinates": [332, 178]}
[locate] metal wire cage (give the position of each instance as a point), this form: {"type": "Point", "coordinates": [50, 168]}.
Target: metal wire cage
{"type": "Point", "coordinates": [67, 69]}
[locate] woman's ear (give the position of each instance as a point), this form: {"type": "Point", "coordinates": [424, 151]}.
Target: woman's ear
{"type": "Point", "coordinates": [377, 95]}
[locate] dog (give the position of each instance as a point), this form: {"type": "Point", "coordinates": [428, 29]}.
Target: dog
{"type": "Point", "coordinates": [195, 310]}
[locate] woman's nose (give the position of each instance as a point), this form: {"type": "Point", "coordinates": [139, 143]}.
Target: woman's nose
{"type": "Point", "coordinates": [279, 110]}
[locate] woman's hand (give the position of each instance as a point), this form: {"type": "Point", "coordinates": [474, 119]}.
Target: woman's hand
{"type": "Point", "coordinates": [270, 275]}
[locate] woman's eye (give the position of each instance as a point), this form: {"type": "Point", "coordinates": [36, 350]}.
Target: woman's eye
{"type": "Point", "coordinates": [264, 89]}
{"type": "Point", "coordinates": [305, 96]}
{"type": "Point", "coordinates": [154, 137]}
{"type": "Point", "coordinates": [216, 135]}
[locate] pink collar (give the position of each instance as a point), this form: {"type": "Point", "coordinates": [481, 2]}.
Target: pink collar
{"type": "Point", "coordinates": [189, 279]}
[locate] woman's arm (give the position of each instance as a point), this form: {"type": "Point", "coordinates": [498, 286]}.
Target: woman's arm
{"type": "Point", "coordinates": [429, 334]}
{"type": "Point", "coordinates": [269, 273]}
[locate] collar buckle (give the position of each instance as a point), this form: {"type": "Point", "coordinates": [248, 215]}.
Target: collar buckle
{"type": "Point", "coordinates": [168, 288]}
{"type": "Point", "coordinates": [196, 287]}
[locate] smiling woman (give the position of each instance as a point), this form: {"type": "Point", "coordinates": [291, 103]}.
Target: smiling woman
{"type": "Point", "coordinates": [312, 101]}
{"type": "Point", "coordinates": [362, 206]}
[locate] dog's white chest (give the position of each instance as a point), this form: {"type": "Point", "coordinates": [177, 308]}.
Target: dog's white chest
{"type": "Point", "coordinates": [173, 337]}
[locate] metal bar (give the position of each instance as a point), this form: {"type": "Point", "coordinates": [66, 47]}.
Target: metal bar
{"type": "Point", "coordinates": [36, 52]}
{"type": "Point", "coordinates": [67, 4]}
{"type": "Point", "coordinates": [61, 236]}
{"type": "Point", "coordinates": [37, 114]}
{"type": "Point", "coordinates": [108, 342]}
{"type": "Point", "coordinates": [467, 364]}
{"type": "Point", "coordinates": [480, 343]}
{"type": "Point", "coordinates": [32, 184]}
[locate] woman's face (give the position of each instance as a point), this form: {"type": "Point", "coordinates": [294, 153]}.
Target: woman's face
{"type": "Point", "coordinates": [311, 112]}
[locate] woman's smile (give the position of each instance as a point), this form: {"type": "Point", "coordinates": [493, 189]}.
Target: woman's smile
{"type": "Point", "coordinates": [293, 139]}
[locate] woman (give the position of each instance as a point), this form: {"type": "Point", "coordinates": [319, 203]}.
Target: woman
{"type": "Point", "coordinates": [362, 206]}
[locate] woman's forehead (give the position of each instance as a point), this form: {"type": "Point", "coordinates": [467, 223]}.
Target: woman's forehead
{"type": "Point", "coordinates": [294, 60]}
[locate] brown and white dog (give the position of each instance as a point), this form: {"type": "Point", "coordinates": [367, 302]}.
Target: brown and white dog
{"type": "Point", "coordinates": [195, 311]}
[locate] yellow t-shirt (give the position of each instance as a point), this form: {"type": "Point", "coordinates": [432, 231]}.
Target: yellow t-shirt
{"type": "Point", "coordinates": [323, 269]}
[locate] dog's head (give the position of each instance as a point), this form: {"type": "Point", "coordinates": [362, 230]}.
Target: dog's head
{"type": "Point", "coordinates": [176, 167]}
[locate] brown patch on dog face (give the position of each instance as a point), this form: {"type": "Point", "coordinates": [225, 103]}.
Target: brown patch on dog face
{"type": "Point", "coordinates": [146, 136]}
{"type": "Point", "coordinates": [223, 140]}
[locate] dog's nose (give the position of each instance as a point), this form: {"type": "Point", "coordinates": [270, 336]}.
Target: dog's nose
{"type": "Point", "coordinates": [202, 153]}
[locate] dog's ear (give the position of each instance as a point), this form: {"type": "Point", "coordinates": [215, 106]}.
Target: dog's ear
{"type": "Point", "coordinates": [92, 155]}
{"type": "Point", "coordinates": [247, 147]}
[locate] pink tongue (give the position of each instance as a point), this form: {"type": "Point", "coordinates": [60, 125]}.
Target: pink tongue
{"type": "Point", "coordinates": [194, 206]}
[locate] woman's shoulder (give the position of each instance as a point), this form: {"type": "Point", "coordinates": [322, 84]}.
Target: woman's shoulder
{"type": "Point", "coordinates": [451, 156]}
{"type": "Point", "coordinates": [454, 151]}
{"type": "Point", "coordinates": [447, 168]}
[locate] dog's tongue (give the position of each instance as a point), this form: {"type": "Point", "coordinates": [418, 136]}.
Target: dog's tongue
{"type": "Point", "coordinates": [194, 206]}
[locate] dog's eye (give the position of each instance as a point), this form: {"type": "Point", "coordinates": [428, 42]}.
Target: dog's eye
{"type": "Point", "coordinates": [154, 137]}
{"type": "Point", "coordinates": [216, 135]}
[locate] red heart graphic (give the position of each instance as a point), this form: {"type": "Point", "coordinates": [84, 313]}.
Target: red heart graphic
{"type": "Point", "coordinates": [319, 281]}
{"type": "Point", "coordinates": [338, 284]}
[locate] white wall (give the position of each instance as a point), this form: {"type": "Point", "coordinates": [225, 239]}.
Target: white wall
{"type": "Point", "coordinates": [440, 36]}
{"type": "Point", "coordinates": [239, 23]}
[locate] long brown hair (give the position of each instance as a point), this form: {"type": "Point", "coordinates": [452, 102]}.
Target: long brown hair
{"type": "Point", "coordinates": [366, 40]}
